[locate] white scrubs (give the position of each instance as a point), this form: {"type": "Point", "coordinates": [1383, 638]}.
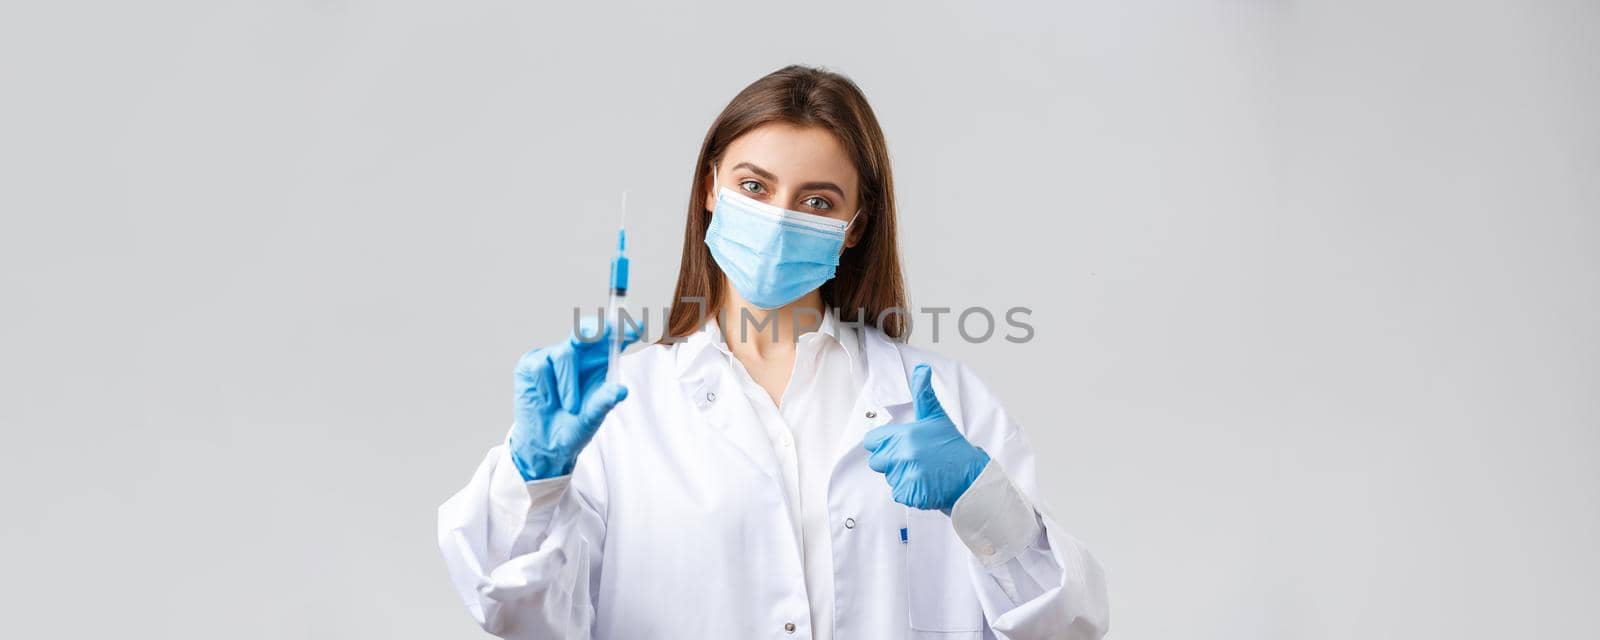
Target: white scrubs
{"type": "Point", "coordinates": [701, 510]}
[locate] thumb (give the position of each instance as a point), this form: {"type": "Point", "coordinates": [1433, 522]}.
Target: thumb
{"type": "Point", "coordinates": [599, 403]}
{"type": "Point", "coordinates": [922, 391]}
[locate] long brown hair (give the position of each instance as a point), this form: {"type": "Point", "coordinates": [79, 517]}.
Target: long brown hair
{"type": "Point", "coordinates": [868, 281]}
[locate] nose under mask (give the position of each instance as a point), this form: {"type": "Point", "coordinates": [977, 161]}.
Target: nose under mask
{"type": "Point", "coordinates": [772, 255]}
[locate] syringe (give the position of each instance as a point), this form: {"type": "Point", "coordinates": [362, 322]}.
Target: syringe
{"type": "Point", "coordinates": [619, 293]}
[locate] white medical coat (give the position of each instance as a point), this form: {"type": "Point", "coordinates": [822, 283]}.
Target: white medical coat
{"type": "Point", "coordinates": [674, 524]}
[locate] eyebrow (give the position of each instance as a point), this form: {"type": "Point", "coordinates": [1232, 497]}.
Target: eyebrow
{"type": "Point", "coordinates": [822, 185]}
{"type": "Point", "coordinates": [756, 170]}
{"type": "Point", "coordinates": [826, 186]}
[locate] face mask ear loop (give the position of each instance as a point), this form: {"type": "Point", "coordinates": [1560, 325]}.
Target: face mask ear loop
{"type": "Point", "coordinates": [847, 226]}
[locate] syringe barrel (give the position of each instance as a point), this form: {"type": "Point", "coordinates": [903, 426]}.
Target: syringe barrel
{"type": "Point", "coordinates": [619, 274]}
{"type": "Point", "coordinates": [613, 319]}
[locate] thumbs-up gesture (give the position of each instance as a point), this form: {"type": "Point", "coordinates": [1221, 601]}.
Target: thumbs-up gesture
{"type": "Point", "coordinates": [927, 462]}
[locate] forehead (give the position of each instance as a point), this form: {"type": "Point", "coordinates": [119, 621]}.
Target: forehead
{"type": "Point", "coordinates": [793, 152]}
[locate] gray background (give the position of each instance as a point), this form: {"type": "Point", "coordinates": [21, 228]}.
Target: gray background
{"type": "Point", "coordinates": [1315, 286]}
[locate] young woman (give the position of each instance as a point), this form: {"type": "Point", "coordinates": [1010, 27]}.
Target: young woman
{"type": "Point", "coordinates": [784, 466]}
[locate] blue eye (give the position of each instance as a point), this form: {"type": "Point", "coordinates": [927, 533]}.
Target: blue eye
{"type": "Point", "coordinates": [751, 186]}
{"type": "Point", "coordinates": [818, 202]}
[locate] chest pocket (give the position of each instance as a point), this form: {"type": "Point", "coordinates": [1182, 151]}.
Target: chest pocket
{"type": "Point", "coordinates": [940, 597]}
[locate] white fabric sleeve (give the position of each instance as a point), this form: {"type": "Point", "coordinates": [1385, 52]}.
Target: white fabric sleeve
{"type": "Point", "coordinates": [525, 556]}
{"type": "Point", "coordinates": [996, 522]}
{"type": "Point", "coordinates": [1040, 582]}
{"type": "Point", "coordinates": [994, 519]}
{"type": "Point", "coordinates": [543, 494]}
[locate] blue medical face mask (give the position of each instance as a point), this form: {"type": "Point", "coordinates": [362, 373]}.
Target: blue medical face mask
{"type": "Point", "coordinates": [772, 255]}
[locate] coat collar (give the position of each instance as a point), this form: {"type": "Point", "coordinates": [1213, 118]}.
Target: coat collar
{"type": "Point", "coordinates": [885, 384]}
{"type": "Point", "coordinates": [887, 377]}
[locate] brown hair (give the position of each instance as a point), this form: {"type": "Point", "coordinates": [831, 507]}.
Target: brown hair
{"type": "Point", "coordinates": [868, 281]}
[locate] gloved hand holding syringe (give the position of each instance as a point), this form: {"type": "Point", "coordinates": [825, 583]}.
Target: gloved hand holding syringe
{"type": "Point", "coordinates": [562, 395]}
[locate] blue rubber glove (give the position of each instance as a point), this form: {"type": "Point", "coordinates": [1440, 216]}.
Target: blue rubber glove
{"type": "Point", "coordinates": [561, 399]}
{"type": "Point", "coordinates": [927, 462]}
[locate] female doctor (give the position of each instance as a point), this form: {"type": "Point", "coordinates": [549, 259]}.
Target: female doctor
{"type": "Point", "coordinates": [781, 465]}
